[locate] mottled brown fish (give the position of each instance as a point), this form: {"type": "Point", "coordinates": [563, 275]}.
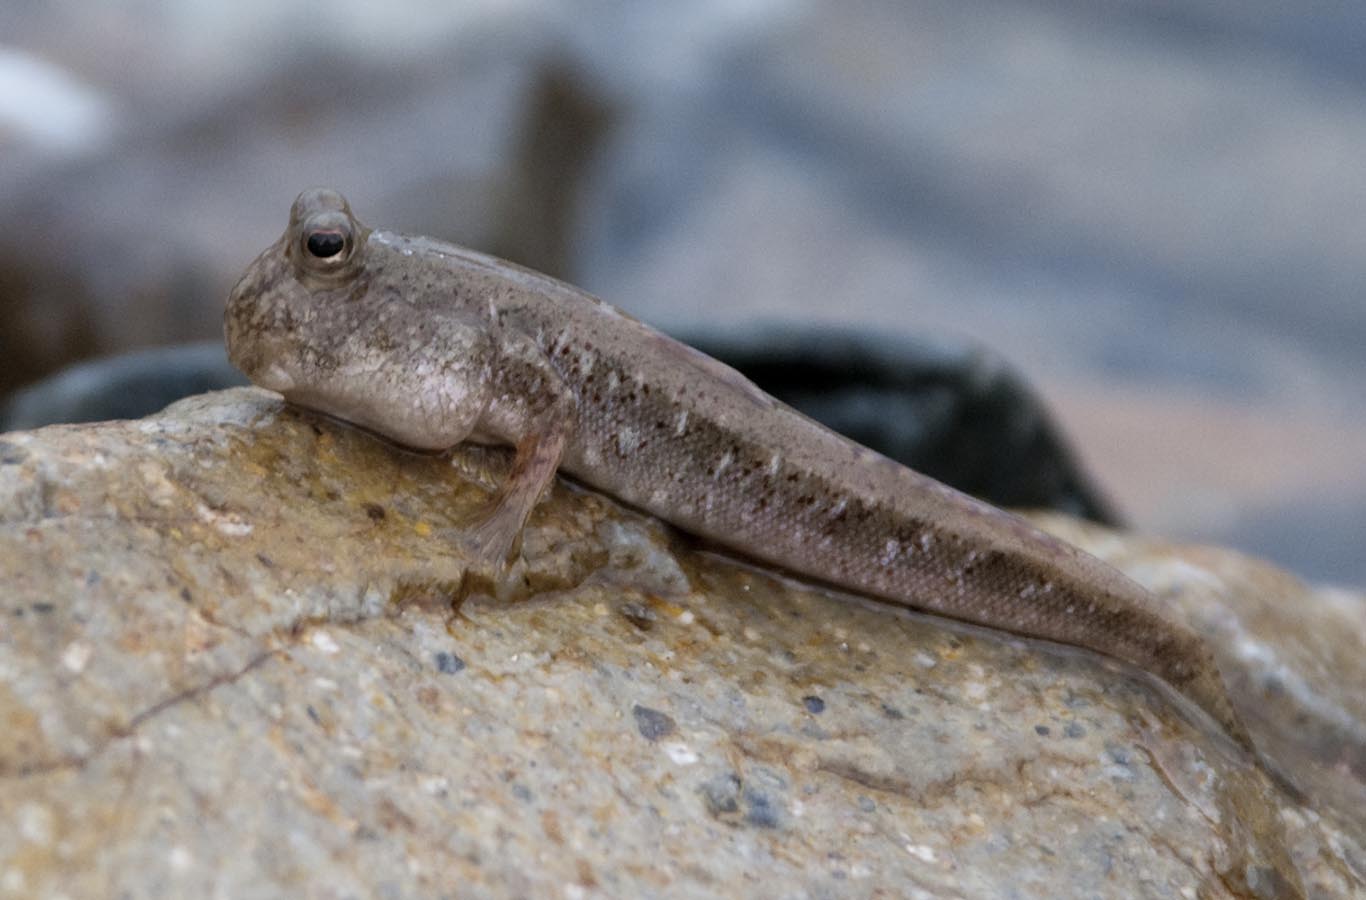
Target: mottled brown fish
{"type": "Point", "coordinates": [431, 344]}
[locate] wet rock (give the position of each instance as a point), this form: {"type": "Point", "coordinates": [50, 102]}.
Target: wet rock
{"type": "Point", "coordinates": [221, 648]}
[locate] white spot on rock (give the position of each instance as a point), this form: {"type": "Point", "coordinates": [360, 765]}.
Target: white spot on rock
{"type": "Point", "coordinates": [323, 642]}
{"type": "Point", "coordinates": [229, 524]}
{"type": "Point", "coordinates": [437, 786]}
{"type": "Point", "coordinates": [76, 655]}
{"type": "Point", "coordinates": [180, 858]}
{"type": "Point", "coordinates": [679, 753]}
{"type": "Point", "coordinates": [922, 852]}
{"type": "Point", "coordinates": [35, 824]}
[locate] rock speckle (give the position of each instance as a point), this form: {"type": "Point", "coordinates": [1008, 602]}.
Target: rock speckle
{"type": "Point", "coordinates": [653, 724]}
{"type": "Point", "coordinates": [448, 663]}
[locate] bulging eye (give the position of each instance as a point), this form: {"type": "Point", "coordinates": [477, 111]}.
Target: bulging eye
{"type": "Point", "coordinates": [325, 244]}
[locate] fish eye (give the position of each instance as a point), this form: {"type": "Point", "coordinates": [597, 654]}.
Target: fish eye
{"type": "Point", "coordinates": [325, 244]}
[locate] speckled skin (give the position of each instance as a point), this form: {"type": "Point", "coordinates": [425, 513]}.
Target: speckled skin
{"type": "Point", "coordinates": [431, 344]}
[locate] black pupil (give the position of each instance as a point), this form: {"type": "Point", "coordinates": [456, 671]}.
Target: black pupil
{"type": "Point", "coordinates": [323, 244]}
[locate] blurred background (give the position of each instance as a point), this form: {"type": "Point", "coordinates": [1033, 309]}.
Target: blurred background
{"type": "Point", "coordinates": [1154, 210]}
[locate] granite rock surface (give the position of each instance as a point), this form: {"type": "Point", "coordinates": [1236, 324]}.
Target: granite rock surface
{"type": "Point", "coordinates": [241, 655]}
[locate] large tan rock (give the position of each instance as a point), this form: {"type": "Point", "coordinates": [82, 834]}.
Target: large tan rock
{"type": "Point", "coordinates": [234, 661]}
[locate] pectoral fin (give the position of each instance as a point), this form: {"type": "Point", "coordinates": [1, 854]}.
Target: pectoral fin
{"type": "Point", "coordinates": [497, 534]}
